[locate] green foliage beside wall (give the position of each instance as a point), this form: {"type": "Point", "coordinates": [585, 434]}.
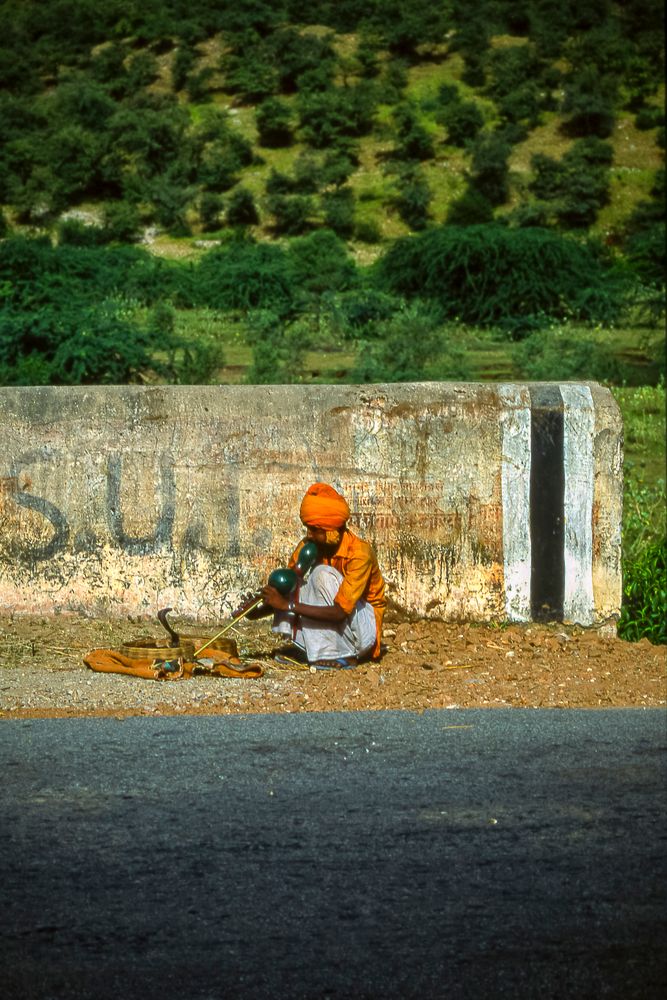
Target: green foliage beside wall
{"type": "Point", "coordinates": [494, 275]}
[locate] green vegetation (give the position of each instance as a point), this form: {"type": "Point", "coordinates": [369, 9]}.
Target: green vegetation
{"type": "Point", "coordinates": [644, 527]}
{"type": "Point", "coordinates": [152, 106]}
{"type": "Point", "coordinates": [388, 190]}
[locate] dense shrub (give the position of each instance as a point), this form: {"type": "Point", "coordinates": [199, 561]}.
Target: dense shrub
{"type": "Point", "coordinates": [277, 349]}
{"type": "Point", "coordinates": [339, 211]}
{"type": "Point", "coordinates": [518, 83]}
{"type": "Point", "coordinates": [589, 104]}
{"type": "Point", "coordinates": [250, 70]}
{"type": "Point", "coordinates": [336, 167]}
{"type": "Point", "coordinates": [241, 208]}
{"type": "Point", "coordinates": [644, 563]}
{"type": "Point", "coordinates": [645, 595]}
{"type": "Point", "coordinates": [413, 198]}
{"type": "Point", "coordinates": [649, 118]}
{"type": "Point", "coordinates": [414, 142]}
{"type": "Point", "coordinates": [295, 54]}
{"type": "Point", "coordinates": [181, 66]}
{"type": "Point", "coordinates": [70, 318]}
{"type": "Point", "coordinates": [75, 344]}
{"type": "Point", "coordinates": [562, 354]}
{"type": "Point", "coordinates": [66, 318]}
{"type": "Point", "coordinates": [489, 170]}
{"type": "Point", "coordinates": [363, 309]}
{"type": "Point", "coordinates": [274, 123]}
{"type": "Point", "coordinates": [470, 209]}
{"type": "Point", "coordinates": [210, 211]}
{"type": "Point", "coordinates": [409, 346]}
{"type": "Point", "coordinates": [462, 119]}
{"type": "Point", "coordinates": [243, 275]}
{"type": "Point", "coordinates": [328, 115]}
{"type": "Point", "coordinates": [291, 213]}
{"type": "Point", "coordinates": [578, 184]}
{"type": "Point", "coordinates": [122, 222]}
{"type": "Point", "coordinates": [393, 82]}
{"type": "Point", "coordinates": [320, 263]}
{"type": "Point", "coordinates": [367, 231]}
{"type": "Point", "coordinates": [496, 275]}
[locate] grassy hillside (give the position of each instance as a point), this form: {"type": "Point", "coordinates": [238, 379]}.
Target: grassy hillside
{"type": "Point", "coordinates": [186, 127]}
{"type": "Point", "coordinates": [375, 120]}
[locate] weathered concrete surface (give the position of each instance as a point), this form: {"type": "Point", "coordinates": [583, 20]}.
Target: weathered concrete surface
{"type": "Point", "coordinates": [125, 499]}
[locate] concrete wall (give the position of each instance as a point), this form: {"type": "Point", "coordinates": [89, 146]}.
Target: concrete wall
{"type": "Point", "coordinates": [122, 500]}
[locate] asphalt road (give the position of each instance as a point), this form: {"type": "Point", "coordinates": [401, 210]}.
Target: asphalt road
{"type": "Point", "coordinates": [454, 854]}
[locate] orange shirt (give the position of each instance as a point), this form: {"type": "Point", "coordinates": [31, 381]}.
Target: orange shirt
{"type": "Point", "coordinates": [357, 563]}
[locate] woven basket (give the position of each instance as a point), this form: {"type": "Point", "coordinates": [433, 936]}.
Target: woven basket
{"type": "Point", "coordinates": [153, 649]}
{"type": "Point", "coordinates": [222, 645]}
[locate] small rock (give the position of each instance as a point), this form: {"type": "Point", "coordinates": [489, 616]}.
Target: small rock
{"type": "Point", "coordinates": [608, 630]}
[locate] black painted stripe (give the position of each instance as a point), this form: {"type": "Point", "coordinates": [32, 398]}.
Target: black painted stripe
{"type": "Point", "coordinates": [547, 490]}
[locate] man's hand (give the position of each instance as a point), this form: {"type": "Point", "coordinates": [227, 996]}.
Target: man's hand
{"type": "Point", "coordinates": [275, 599]}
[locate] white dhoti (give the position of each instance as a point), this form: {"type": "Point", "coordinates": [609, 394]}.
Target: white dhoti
{"type": "Point", "coordinates": [328, 640]}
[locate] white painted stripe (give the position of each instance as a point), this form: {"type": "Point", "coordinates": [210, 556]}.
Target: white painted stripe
{"type": "Point", "coordinates": [578, 431]}
{"type": "Point", "coordinates": [515, 466]}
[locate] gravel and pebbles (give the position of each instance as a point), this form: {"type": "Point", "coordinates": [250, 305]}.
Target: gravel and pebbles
{"type": "Point", "coordinates": [428, 664]}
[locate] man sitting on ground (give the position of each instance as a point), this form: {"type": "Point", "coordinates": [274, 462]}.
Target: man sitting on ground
{"type": "Point", "coordinates": [335, 617]}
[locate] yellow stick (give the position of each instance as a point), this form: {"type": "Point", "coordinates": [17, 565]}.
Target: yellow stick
{"type": "Point", "coordinates": [227, 627]}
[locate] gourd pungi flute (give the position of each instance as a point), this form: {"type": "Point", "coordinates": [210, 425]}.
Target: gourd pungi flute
{"type": "Point", "coordinates": [283, 579]}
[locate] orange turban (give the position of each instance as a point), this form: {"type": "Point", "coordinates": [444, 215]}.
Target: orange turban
{"type": "Point", "coordinates": [323, 508]}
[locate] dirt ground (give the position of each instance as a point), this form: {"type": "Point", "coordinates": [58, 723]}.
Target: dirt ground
{"type": "Point", "coordinates": [427, 664]}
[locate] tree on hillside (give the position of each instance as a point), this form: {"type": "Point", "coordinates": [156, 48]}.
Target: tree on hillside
{"type": "Point", "coordinates": [274, 123]}
{"type": "Point", "coordinates": [489, 171]}
{"type": "Point", "coordinates": [241, 208]}
{"type": "Point", "coordinates": [588, 103]}
{"type": "Point", "coordinates": [414, 141]}
{"type": "Point", "coordinates": [577, 185]}
{"type": "Point", "coordinates": [462, 119]}
{"type": "Point", "coordinates": [495, 275]}
{"type": "Point", "coordinates": [408, 24]}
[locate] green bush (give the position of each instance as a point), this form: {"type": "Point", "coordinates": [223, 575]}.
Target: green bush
{"type": "Point", "coordinates": [339, 211]}
{"type": "Point", "coordinates": [404, 345]}
{"type": "Point", "coordinates": [588, 104]}
{"type": "Point", "coordinates": [274, 123]}
{"type": "Point", "coordinates": [277, 349]}
{"type": "Point", "coordinates": [73, 232]}
{"type": "Point", "coordinates": [409, 347]}
{"type": "Point", "coordinates": [645, 595]}
{"type": "Point", "coordinates": [363, 309]}
{"type": "Point", "coordinates": [414, 142]}
{"type": "Point", "coordinates": [471, 209]}
{"type": "Point", "coordinates": [463, 120]}
{"type": "Point", "coordinates": [181, 66]}
{"type": "Point", "coordinates": [296, 54]}
{"type": "Point", "coordinates": [320, 263]}
{"type": "Point", "coordinates": [122, 222]}
{"type": "Point", "coordinates": [243, 275]}
{"type": "Point", "coordinates": [562, 354]}
{"type": "Point", "coordinates": [210, 211]}
{"type": "Point", "coordinates": [489, 170]}
{"type": "Point", "coordinates": [493, 275]}
{"type": "Point", "coordinates": [75, 344]}
{"type": "Point", "coordinates": [644, 563]}
{"type": "Point", "coordinates": [649, 118]}
{"type": "Point", "coordinates": [578, 184]}
{"type": "Point", "coordinates": [291, 213]}
{"type": "Point", "coordinates": [241, 208]}
{"type": "Point", "coordinates": [367, 231]}
{"type": "Point", "coordinates": [327, 116]}
{"type": "Point", "coordinates": [413, 198]}
{"type": "Point", "coordinates": [522, 105]}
